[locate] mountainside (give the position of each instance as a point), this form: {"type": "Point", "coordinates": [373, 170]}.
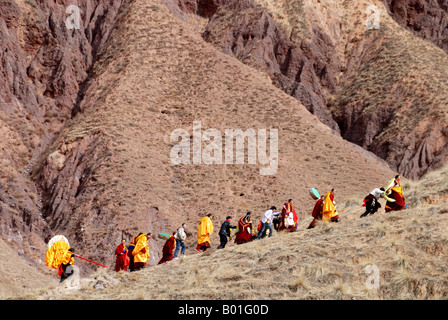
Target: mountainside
{"type": "Point", "coordinates": [149, 83]}
{"type": "Point", "coordinates": [42, 69]}
{"type": "Point", "coordinates": [362, 82]}
{"type": "Point", "coordinates": [92, 116]}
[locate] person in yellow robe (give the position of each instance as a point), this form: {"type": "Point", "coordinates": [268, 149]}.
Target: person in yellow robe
{"type": "Point", "coordinates": [394, 195]}
{"type": "Point", "coordinates": [55, 254]}
{"type": "Point", "coordinates": [329, 212]}
{"type": "Point", "coordinates": [60, 256]}
{"type": "Point", "coordinates": [141, 251]}
{"type": "Point", "coordinates": [205, 230]}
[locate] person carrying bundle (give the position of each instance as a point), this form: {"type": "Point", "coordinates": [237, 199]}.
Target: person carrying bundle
{"type": "Point", "coordinates": [394, 195]}
{"type": "Point", "coordinates": [167, 251]}
{"type": "Point", "coordinates": [329, 212]}
{"type": "Point", "coordinates": [289, 217]}
{"type": "Point", "coordinates": [244, 233]}
{"type": "Point", "coordinates": [180, 237]}
{"type": "Point", "coordinates": [205, 230]}
{"type": "Point", "coordinates": [317, 212]}
{"type": "Point", "coordinates": [60, 256]}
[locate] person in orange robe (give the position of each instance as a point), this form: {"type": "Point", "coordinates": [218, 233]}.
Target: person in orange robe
{"type": "Point", "coordinates": [287, 210]}
{"type": "Point", "coordinates": [329, 212]}
{"type": "Point", "coordinates": [317, 212]}
{"type": "Point", "coordinates": [168, 249]}
{"type": "Point", "coordinates": [141, 251]}
{"type": "Point", "coordinates": [244, 233]}
{"type": "Point", "coordinates": [60, 256]}
{"type": "Point", "coordinates": [394, 191]}
{"type": "Point", "coordinates": [67, 260]}
{"type": "Point", "coordinates": [205, 230]}
{"type": "Point", "coordinates": [122, 261]}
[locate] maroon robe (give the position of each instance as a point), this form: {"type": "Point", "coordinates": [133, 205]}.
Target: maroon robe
{"type": "Point", "coordinates": [242, 236]}
{"type": "Point", "coordinates": [122, 261]}
{"type": "Point", "coordinates": [167, 251]}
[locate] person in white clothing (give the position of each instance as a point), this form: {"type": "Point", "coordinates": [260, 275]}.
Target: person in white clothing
{"type": "Point", "coordinates": [266, 222]}
{"type": "Point", "coordinates": [180, 237]}
{"type": "Point", "coordinates": [371, 201]}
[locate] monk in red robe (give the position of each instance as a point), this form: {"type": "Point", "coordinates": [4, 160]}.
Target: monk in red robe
{"type": "Point", "coordinates": [394, 195]}
{"type": "Point", "coordinates": [289, 217]}
{"type": "Point", "coordinates": [317, 212]}
{"type": "Point", "coordinates": [244, 233]}
{"type": "Point", "coordinates": [168, 249]}
{"type": "Point", "coordinates": [122, 261]}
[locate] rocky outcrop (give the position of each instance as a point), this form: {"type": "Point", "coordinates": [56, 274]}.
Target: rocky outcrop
{"type": "Point", "coordinates": [427, 19]}
{"type": "Point", "coordinates": [392, 102]}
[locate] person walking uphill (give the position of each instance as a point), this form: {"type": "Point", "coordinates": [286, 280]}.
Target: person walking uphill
{"type": "Point", "coordinates": [224, 232]}
{"type": "Point", "coordinates": [289, 217]}
{"type": "Point", "coordinates": [317, 212]}
{"type": "Point", "coordinates": [205, 230]}
{"type": "Point", "coordinates": [167, 251]}
{"type": "Point", "coordinates": [244, 233]}
{"type": "Point", "coordinates": [394, 195]}
{"type": "Point", "coordinates": [329, 212]}
{"type": "Point", "coordinates": [67, 260]}
{"type": "Point", "coordinates": [180, 237]}
{"type": "Point", "coordinates": [141, 251]}
{"type": "Point", "coordinates": [266, 222]}
{"type": "Point", "coordinates": [122, 261]}
{"type": "Point", "coordinates": [60, 256]}
{"type": "Point", "coordinates": [371, 201]}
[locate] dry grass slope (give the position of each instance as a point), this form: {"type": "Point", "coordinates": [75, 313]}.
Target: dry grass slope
{"type": "Point", "coordinates": [409, 248]}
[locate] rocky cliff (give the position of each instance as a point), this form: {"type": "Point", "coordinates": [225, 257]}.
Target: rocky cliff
{"type": "Point", "coordinates": [427, 19]}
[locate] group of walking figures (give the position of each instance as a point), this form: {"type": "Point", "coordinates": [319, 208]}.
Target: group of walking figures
{"type": "Point", "coordinates": [136, 254]}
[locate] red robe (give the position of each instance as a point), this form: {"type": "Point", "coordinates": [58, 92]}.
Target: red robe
{"type": "Point", "coordinates": [122, 261]}
{"type": "Point", "coordinates": [399, 203]}
{"type": "Point", "coordinates": [287, 208]}
{"type": "Point", "coordinates": [317, 213]}
{"type": "Point", "coordinates": [167, 251]}
{"type": "Point", "coordinates": [243, 236]}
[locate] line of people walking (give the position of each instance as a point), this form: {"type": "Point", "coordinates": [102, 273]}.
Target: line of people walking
{"type": "Point", "coordinates": [324, 209]}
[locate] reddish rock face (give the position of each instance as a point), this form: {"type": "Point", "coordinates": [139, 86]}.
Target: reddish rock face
{"type": "Point", "coordinates": [426, 18]}
{"type": "Point", "coordinates": [43, 66]}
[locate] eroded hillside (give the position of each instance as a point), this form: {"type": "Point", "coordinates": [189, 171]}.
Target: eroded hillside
{"type": "Point", "coordinates": [88, 113]}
